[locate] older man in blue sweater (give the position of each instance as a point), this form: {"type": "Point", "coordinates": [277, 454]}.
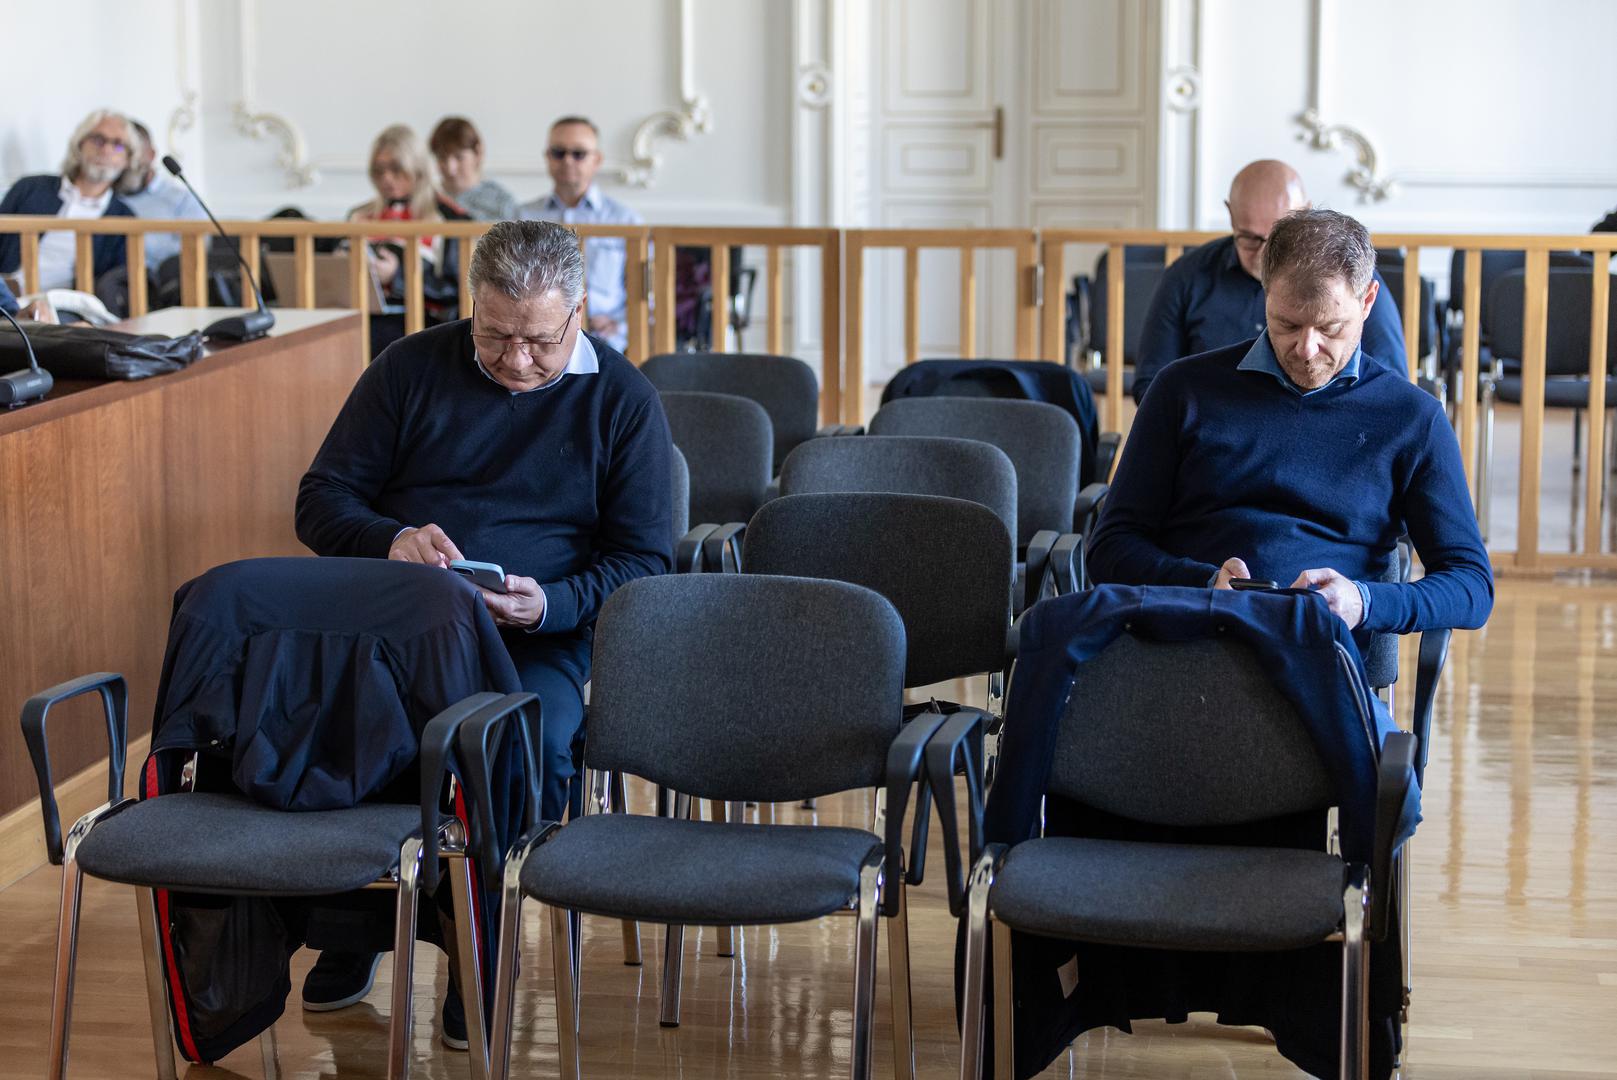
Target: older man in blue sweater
{"type": "Point", "coordinates": [1295, 457]}
{"type": "Point", "coordinates": [514, 438]}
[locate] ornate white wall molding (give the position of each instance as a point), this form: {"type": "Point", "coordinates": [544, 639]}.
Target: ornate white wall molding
{"type": "Point", "coordinates": [184, 116]}
{"type": "Point", "coordinates": [692, 117]}
{"type": "Point", "coordinates": [260, 124]}
{"type": "Point", "coordinates": [1365, 174]}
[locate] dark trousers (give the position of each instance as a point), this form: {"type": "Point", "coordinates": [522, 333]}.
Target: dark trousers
{"type": "Point", "coordinates": [555, 668]}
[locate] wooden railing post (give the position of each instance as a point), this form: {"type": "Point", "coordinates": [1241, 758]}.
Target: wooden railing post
{"type": "Point", "coordinates": [719, 328]}
{"type": "Point", "coordinates": [30, 261]}
{"type": "Point", "coordinates": [832, 374]}
{"type": "Point", "coordinates": [359, 291]}
{"type": "Point", "coordinates": [303, 271]}
{"type": "Point", "coordinates": [415, 301]}
{"type": "Point", "coordinates": [84, 262]}
{"type": "Point", "coordinates": [1027, 297]}
{"type": "Point", "coordinates": [135, 263]}
{"type": "Point", "coordinates": [1114, 337]}
{"type": "Point", "coordinates": [774, 296]}
{"type": "Point", "coordinates": [1470, 362]}
{"type": "Point", "coordinates": [1414, 317]}
{"type": "Point", "coordinates": [663, 261]}
{"type": "Point", "coordinates": [1535, 325]}
{"type": "Point", "coordinates": [193, 270]}
{"type": "Point", "coordinates": [247, 244]}
{"type": "Point", "coordinates": [853, 322]}
{"type": "Point", "coordinates": [912, 304]}
{"type": "Point", "coordinates": [1594, 471]}
{"type": "Point", "coordinates": [968, 302]}
{"type": "Point", "coordinates": [637, 310]}
{"type": "Point", "coordinates": [1054, 336]}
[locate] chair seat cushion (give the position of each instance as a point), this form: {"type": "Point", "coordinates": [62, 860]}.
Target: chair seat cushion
{"type": "Point", "coordinates": [1559, 393]}
{"type": "Point", "coordinates": [1170, 896]}
{"type": "Point", "coordinates": [697, 872]}
{"type": "Point", "coordinates": [212, 843]}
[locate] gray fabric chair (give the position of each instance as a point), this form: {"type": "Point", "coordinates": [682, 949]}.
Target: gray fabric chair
{"type": "Point", "coordinates": [685, 668]}
{"type": "Point", "coordinates": [1144, 740]}
{"type": "Point", "coordinates": [784, 386]}
{"type": "Point", "coordinates": [728, 445]}
{"type": "Point", "coordinates": [1046, 448]}
{"type": "Point", "coordinates": [224, 844]}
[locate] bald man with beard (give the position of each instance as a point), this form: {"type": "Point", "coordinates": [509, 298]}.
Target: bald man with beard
{"type": "Point", "coordinates": [1211, 296]}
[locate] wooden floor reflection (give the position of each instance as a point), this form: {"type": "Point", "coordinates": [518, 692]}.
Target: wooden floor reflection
{"type": "Point", "coordinates": [1515, 906]}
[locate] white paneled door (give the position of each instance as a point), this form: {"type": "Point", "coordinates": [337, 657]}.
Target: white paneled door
{"type": "Point", "coordinates": [1000, 113]}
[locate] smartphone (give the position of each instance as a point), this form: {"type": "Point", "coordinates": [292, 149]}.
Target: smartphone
{"type": "Point", "coordinates": [485, 575]}
{"type": "Point", "coordinates": [1252, 583]}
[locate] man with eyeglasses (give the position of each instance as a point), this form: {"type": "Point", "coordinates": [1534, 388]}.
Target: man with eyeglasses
{"type": "Point", "coordinates": [1212, 297]}
{"type": "Point", "coordinates": [100, 149]}
{"type": "Point", "coordinates": [573, 155]}
{"type": "Point", "coordinates": [513, 437]}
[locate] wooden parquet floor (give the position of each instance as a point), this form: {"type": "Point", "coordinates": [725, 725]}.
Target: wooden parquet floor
{"type": "Point", "coordinates": [1515, 904]}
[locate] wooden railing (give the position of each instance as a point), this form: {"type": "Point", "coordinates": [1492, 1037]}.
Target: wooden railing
{"type": "Point", "coordinates": [1042, 275]}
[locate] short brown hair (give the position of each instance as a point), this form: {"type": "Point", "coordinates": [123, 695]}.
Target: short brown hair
{"type": "Point", "coordinates": [1308, 248]}
{"type": "Point", "coordinates": [452, 135]}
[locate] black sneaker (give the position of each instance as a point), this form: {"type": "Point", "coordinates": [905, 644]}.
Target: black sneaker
{"type": "Point", "coordinates": [338, 980]}
{"type": "Point", "coordinates": [454, 1030]}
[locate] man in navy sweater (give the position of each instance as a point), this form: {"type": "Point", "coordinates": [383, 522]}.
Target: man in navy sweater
{"type": "Point", "coordinates": [1297, 458]}
{"type": "Point", "coordinates": [511, 438]}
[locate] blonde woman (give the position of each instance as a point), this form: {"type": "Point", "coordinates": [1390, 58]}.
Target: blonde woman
{"type": "Point", "coordinates": [401, 172]}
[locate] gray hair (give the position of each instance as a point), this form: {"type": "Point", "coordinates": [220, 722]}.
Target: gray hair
{"type": "Point", "coordinates": [529, 258]}
{"type": "Point", "coordinates": [1310, 248]}
{"type": "Point", "coordinates": [73, 163]}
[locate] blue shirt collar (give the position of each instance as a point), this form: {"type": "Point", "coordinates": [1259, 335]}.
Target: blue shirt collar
{"type": "Point", "coordinates": [591, 199]}
{"type": "Point", "coordinates": [1261, 357]}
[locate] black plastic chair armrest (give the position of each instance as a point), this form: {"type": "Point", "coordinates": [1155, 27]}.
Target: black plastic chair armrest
{"type": "Point", "coordinates": [959, 740]}
{"type": "Point", "coordinates": [688, 550]}
{"type": "Point", "coordinates": [477, 744]}
{"type": "Point", "coordinates": [114, 706]}
{"type": "Point", "coordinates": [437, 744]}
{"type": "Point", "coordinates": [1067, 563]}
{"type": "Point", "coordinates": [1434, 653]}
{"type": "Point", "coordinates": [1087, 506]}
{"type": "Point", "coordinates": [1107, 447]}
{"type": "Point", "coordinates": [1036, 565]}
{"type": "Point", "coordinates": [721, 548]}
{"type": "Point", "coordinates": [904, 763]}
{"type": "Point", "coordinates": [1395, 776]}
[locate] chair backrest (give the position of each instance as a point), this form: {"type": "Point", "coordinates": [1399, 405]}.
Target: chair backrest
{"type": "Point", "coordinates": [1567, 340]}
{"type": "Point", "coordinates": [745, 686]}
{"type": "Point", "coordinates": [728, 445]}
{"type": "Point", "coordinates": [1392, 277]}
{"type": "Point", "coordinates": [1496, 263]}
{"type": "Point", "coordinates": [942, 563]}
{"type": "Point", "coordinates": [1184, 733]}
{"type": "Point", "coordinates": [1142, 273]}
{"type": "Point", "coordinates": [912, 465]}
{"type": "Point", "coordinates": [784, 385]}
{"type": "Point", "coordinates": [1041, 440]}
{"type": "Point", "coordinates": [681, 477]}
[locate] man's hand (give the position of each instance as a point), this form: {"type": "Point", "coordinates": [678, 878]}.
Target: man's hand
{"type": "Point", "coordinates": [385, 264]}
{"type": "Point", "coordinates": [521, 606]}
{"type": "Point", "coordinates": [1339, 592]}
{"type": "Point", "coordinates": [427, 545]}
{"type": "Point", "coordinates": [1232, 568]}
{"type": "Point", "coordinates": [39, 311]}
{"type": "Point", "coordinates": [603, 325]}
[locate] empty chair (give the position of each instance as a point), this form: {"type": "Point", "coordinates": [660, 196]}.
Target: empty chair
{"type": "Point", "coordinates": [728, 443]}
{"type": "Point", "coordinates": [784, 386]}
{"type": "Point", "coordinates": [1143, 267]}
{"type": "Point", "coordinates": [685, 668]}
{"type": "Point", "coordinates": [1184, 773]}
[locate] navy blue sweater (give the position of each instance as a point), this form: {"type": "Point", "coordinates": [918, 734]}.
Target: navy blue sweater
{"type": "Point", "coordinates": [38, 195]}
{"type": "Point", "coordinates": [1222, 463]}
{"type": "Point", "coordinates": [567, 484]}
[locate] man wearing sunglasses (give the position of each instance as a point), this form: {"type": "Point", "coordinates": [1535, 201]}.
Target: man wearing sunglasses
{"type": "Point", "coordinates": [1211, 296]}
{"type": "Point", "coordinates": [99, 151]}
{"type": "Point", "coordinates": [513, 437]}
{"type": "Point", "coordinates": [573, 155]}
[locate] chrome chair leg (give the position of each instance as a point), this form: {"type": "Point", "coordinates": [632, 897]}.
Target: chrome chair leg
{"type": "Point", "coordinates": [266, 1054]}
{"type": "Point", "coordinates": [898, 978]}
{"type": "Point", "coordinates": [619, 802]}
{"type": "Point", "coordinates": [673, 946]}
{"type": "Point", "coordinates": [67, 941]}
{"type": "Point", "coordinates": [561, 960]}
{"type": "Point", "coordinates": [156, 985]}
{"type": "Point", "coordinates": [864, 969]}
{"type": "Point", "coordinates": [733, 812]}
{"type": "Point", "coordinates": [505, 971]}
{"type": "Point", "coordinates": [1355, 982]}
{"type": "Point", "coordinates": [971, 1004]}
{"type": "Point", "coordinates": [398, 1045]}
{"type": "Point", "coordinates": [468, 967]}
{"type": "Point", "coordinates": [1402, 906]}
{"type": "Point", "coordinates": [1004, 998]}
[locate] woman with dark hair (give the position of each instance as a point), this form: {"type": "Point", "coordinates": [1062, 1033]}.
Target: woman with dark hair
{"type": "Point", "coordinates": [459, 150]}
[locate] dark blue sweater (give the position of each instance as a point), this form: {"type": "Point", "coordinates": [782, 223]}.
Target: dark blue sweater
{"type": "Point", "coordinates": [567, 484]}
{"type": "Point", "coordinates": [1222, 462]}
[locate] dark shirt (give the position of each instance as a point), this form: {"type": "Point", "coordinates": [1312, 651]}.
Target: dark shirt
{"type": "Point", "coordinates": [8, 299]}
{"type": "Point", "coordinates": [1226, 462]}
{"type": "Point", "coordinates": [567, 484]}
{"type": "Point", "coordinates": [1207, 301]}
{"type": "Point", "coordinates": [39, 195]}
{"type": "Point", "coordinates": [1607, 223]}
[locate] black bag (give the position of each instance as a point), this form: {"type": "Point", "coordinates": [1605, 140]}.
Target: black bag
{"type": "Point", "coordinates": [87, 352]}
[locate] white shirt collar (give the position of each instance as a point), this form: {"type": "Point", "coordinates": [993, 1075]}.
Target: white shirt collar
{"type": "Point", "coordinates": [69, 194]}
{"type": "Point", "coordinates": [583, 361]}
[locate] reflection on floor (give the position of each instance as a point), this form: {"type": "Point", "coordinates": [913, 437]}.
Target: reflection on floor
{"type": "Point", "coordinates": [1515, 896]}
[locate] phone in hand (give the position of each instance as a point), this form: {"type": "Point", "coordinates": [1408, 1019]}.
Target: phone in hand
{"type": "Point", "coordinates": [1253, 583]}
{"type": "Point", "coordinates": [485, 575]}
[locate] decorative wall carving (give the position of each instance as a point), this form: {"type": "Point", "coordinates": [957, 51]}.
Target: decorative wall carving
{"type": "Point", "coordinates": [1365, 175]}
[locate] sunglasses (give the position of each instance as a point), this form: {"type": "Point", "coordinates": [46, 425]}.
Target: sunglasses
{"type": "Point", "coordinates": [562, 153]}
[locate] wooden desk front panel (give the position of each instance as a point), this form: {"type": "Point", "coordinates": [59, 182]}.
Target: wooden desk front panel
{"type": "Point", "coordinates": [108, 506]}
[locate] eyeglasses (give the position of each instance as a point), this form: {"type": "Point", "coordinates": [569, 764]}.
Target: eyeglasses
{"type": "Point", "coordinates": [562, 153]}
{"type": "Point", "coordinates": [499, 346]}
{"type": "Point", "coordinates": [100, 141]}
{"type": "Point", "coordinates": [1250, 241]}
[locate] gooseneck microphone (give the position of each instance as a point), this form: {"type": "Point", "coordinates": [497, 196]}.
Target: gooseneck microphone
{"type": "Point", "coordinates": [29, 383]}
{"type": "Point", "coordinates": [244, 327]}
